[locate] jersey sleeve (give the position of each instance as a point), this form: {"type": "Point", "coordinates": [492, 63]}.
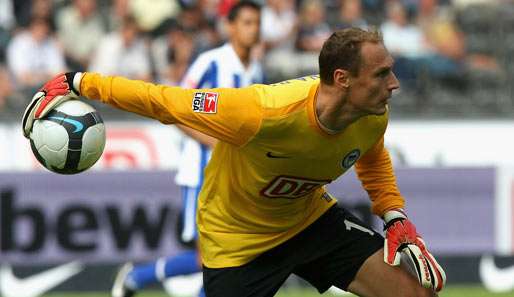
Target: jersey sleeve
{"type": "Point", "coordinates": [375, 171]}
{"type": "Point", "coordinates": [228, 114]}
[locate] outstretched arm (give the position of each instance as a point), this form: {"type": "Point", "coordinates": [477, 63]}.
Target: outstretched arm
{"type": "Point", "coordinates": [230, 115]}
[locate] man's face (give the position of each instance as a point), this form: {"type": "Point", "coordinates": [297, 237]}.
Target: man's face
{"type": "Point", "coordinates": [370, 90]}
{"type": "Point", "coordinates": [245, 29]}
{"type": "Point", "coordinates": [39, 30]}
{"type": "Point", "coordinates": [86, 7]}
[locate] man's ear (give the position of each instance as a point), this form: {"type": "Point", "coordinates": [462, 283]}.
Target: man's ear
{"type": "Point", "coordinates": [342, 78]}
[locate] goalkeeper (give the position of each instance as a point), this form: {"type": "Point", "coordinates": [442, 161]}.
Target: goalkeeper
{"type": "Point", "coordinates": [264, 212]}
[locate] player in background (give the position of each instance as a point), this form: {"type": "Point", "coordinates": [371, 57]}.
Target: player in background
{"type": "Point", "coordinates": [229, 66]}
{"type": "Point", "coordinates": [264, 212]}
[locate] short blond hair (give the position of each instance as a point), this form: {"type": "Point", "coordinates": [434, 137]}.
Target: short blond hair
{"type": "Point", "coordinates": [342, 51]}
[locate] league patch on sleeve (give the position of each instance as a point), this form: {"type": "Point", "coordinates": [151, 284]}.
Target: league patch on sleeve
{"type": "Point", "coordinates": [205, 102]}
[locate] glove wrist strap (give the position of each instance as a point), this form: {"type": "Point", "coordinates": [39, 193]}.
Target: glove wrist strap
{"type": "Point", "coordinates": [77, 78]}
{"type": "Point", "coordinates": [394, 214]}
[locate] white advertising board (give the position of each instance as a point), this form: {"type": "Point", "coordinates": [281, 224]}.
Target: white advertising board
{"type": "Point", "coordinates": [129, 145]}
{"type": "Point", "coordinates": [151, 145]}
{"type": "Point", "coordinates": [451, 143]}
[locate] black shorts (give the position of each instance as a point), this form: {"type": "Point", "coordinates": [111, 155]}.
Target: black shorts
{"type": "Point", "coordinates": [327, 253]}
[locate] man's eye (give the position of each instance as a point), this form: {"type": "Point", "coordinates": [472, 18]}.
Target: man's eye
{"type": "Point", "coordinates": [383, 73]}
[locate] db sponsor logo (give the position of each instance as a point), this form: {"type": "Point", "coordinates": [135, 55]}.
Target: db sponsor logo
{"type": "Point", "coordinates": [205, 102]}
{"type": "Point", "coordinates": [291, 187]}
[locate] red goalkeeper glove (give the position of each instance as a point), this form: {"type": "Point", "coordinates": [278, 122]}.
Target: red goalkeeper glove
{"type": "Point", "coordinates": [63, 87]}
{"type": "Point", "coordinates": [401, 237]}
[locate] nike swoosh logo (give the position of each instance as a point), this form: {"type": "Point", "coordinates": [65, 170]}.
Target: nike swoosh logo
{"type": "Point", "coordinates": [78, 125]}
{"type": "Point", "coordinates": [496, 279]}
{"type": "Point", "coordinates": [269, 155]}
{"type": "Point", "coordinates": [37, 284]}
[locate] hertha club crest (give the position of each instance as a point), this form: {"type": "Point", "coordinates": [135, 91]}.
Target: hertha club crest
{"type": "Point", "coordinates": [351, 158]}
{"type": "Point", "coordinates": [205, 102]}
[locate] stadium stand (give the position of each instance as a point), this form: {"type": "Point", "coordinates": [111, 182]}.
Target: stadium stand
{"type": "Point", "coordinates": [481, 35]}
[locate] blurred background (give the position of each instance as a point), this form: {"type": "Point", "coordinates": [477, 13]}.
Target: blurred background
{"type": "Point", "coordinates": [450, 133]}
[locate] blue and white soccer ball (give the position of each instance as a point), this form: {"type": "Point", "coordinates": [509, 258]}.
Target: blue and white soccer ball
{"type": "Point", "coordinates": [69, 139]}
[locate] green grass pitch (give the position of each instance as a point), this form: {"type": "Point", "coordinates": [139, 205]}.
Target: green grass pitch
{"type": "Point", "coordinates": [451, 291]}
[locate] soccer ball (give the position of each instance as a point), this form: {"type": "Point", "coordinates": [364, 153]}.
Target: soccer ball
{"type": "Point", "coordinates": [69, 139]}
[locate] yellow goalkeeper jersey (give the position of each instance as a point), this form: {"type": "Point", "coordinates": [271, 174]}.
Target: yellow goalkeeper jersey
{"type": "Point", "coordinates": [265, 180]}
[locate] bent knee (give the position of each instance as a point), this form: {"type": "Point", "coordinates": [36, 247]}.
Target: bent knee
{"type": "Point", "coordinates": [377, 279]}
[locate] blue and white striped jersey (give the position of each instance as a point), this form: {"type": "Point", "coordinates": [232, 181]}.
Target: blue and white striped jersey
{"type": "Point", "coordinates": [216, 68]}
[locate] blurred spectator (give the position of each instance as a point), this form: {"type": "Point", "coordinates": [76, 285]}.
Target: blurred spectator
{"type": "Point", "coordinates": [191, 18]}
{"type": "Point", "coordinates": [7, 23]}
{"type": "Point", "coordinates": [150, 14]}
{"type": "Point", "coordinates": [6, 87]}
{"type": "Point", "coordinates": [118, 11]}
{"type": "Point", "coordinates": [464, 3]}
{"type": "Point", "coordinates": [7, 19]}
{"type": "Point", "coordinates": [43, 9]}
{"type": "Point", "coordinates": [422, 35]}
{"type": "Point", "coordinates": [80, 28]}
{"type": "Point", "coordinates": [208, 37]}
{"type": "Point", "coordinates": [426, 9]}
{"type": "Point", "coordinates": [211, 9]}
{"type": "Point", "coordinates": [450, 62]}
{"type": "Point", "coordinates": [401, 37]}
{"type": "Point", "coordinates": [172, 54]}
{"type": "Point", "coordinates": [278, 24]}
{"type": "Point", "coordinates": [411, 7]}
{"type": "Point", "coordinates": [312, 29]}
{"type": "Point", "coordinates": [405, 41]}
{"type": "Point", "coordinates": [350, 15]}
{"type": "Point", "coordinates": [33, 55]}
{"type": "Point", "coordinates": [278, 34]}
{"type": "Point", "coordinates": [205, 31]}
{"type": "Point", "coordinates": [24, 10]}
{"type": "Point", "coordinates": [374, 4]}
{"type": "Point", "coordinates": [448, 46]}
{"type": "Point", "coordinates": [123, 52]}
